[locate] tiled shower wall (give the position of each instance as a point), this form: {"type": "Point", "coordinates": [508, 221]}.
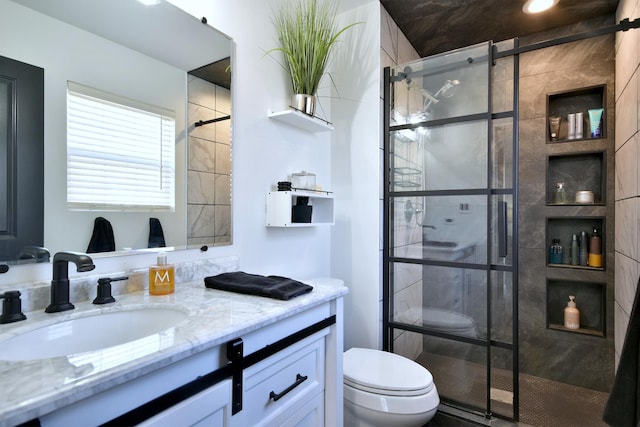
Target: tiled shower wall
{"type": "Point", "coordinates": [627, 184]}
{"type": "Point", "coordinates": [209, 165]}
{"type": "Point", "coordinates": [395, 50]}
{"type": "Point", "coordinates": [566, 357]}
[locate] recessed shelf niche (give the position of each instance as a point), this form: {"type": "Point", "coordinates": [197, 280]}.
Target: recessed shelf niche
{"type": "Point", "coordinates": [590, 300]}
{"type": "Point", "coordinates": [580, 100]}
{"type": "Point", "coordinates": [564, 227]}
{"type": "Point", "coordinates": [578, 172]}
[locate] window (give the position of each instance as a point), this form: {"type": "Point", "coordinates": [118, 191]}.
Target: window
{"type": "Point", "coordinates": [120, 153]}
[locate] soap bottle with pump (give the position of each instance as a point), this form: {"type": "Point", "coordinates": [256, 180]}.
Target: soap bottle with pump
{"type": "Point", "coordinates": [161, 277]}
{"type": "Point", "coordinates": [595, 249]}
{"type": "Point", "coordinates": [571, 314]}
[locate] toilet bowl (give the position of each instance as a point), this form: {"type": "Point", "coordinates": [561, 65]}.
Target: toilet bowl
{"type": "Point", "coordinates": [449, 321]}
{"type": "Point", "coordinates": [386, 389]}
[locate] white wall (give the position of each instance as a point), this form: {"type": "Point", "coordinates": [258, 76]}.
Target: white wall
{"type": "Point", "coordinates": [266, 151]}
{"type": "Point", "coordinates": [627, 184]}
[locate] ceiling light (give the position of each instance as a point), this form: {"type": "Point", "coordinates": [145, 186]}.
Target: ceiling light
{"type": "Point", "coordinates": [537, 6]}
{"type": "Point", "coordinates": [149, 2]}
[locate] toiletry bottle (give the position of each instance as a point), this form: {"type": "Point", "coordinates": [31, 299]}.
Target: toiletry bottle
{"type": "Point", "coordinates": [595, 249]}
{"type": "Point", "coordinates": [571, 314]}
{"type": "Point", "coordinates": [584, 245]}
{"type": "Point", "coordinates": [556, 253]}
{"type": "Point", "coordinates": [560, 195]}
{"type": "Point", "coordinates": [575, 250]}
{"type": "Point", "coordinates": [161, 277]}
{"type": "Point", "coordinates": [571, 120]}
{"type": "Point", "coordinates": [579, 125]}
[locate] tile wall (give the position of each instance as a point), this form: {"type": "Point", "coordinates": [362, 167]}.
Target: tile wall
{"type": "Point", "coordinates": [395, 50]}
{"type": "Point", "coordinates": [627, 178]}
{"type": "Point", "coordinates": [209, 165]}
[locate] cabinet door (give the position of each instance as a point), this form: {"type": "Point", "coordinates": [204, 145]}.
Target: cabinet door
{"type": "Point", "coordinates": [211, 407]}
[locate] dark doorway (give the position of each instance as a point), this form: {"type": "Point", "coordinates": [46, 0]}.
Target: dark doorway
{"type": "Point", "coordinates": [21, 157]}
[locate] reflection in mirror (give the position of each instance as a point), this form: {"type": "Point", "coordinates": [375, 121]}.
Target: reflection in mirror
{"type": "Point", "coordinates": [124, 48]}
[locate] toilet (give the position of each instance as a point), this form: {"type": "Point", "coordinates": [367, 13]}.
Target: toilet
{"type": "Point", "coordinates": [386, 389]}
{"type": "Point", "coordinates": [449, 321]}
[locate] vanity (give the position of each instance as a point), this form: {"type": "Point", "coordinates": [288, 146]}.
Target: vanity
{"type": "Point", "coordinates": [230, 359]}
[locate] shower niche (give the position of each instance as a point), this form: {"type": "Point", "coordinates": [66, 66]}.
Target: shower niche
{"type": "Point", "coordinates": [576, 172]}
{"type": "Point", "coordinates": [590, 298]}
{"type": "Point", "coordinates": [561, 104]}
{"type": "Point", "coordinates": [563, 229]}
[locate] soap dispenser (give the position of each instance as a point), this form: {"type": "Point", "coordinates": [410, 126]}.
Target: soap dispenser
{"type": "Point", "coordinates": [571, 314]}
{"type": "Point", "coordinates": [161, 277]}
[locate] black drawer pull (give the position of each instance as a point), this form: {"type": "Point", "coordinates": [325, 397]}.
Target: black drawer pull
{"type": "Point", "coordinates": [299, 380]}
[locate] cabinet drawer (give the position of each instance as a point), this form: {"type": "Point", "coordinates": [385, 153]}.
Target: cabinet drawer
{"type": "Point", "coordinates": [285, 382]}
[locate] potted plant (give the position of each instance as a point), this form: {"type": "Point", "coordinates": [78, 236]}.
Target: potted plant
{"type": "Point", "coordinates": [307, 33]}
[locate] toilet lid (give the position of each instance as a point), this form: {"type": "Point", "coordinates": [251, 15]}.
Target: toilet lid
{"type": "Point", "coordinates": [446, 320]}
{"type": "Point", "coordinates": [386, 373]}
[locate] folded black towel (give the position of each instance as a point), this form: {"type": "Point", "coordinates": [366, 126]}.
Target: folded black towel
{"type": "Point", "coordinates": [253, 284]}
{"type": "Point", "coordinates": [623, 406]}
{"type": "Point", "coordinates": [156, 235]}
{"type": "Point", "coordinates": [102, 239]}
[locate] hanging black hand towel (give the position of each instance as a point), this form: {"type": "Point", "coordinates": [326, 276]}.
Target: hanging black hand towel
{"type": "Point", "coordinates": [156, 235]}
{"type": "Point", "coordinates": [623, 406]}
{"type": "Point", "coordinates": [253, 284]}
{"type": "Point", "coordinates": [102, 239]}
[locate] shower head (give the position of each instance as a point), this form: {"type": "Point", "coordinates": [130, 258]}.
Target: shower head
{"type": "Point", "coordinates": [449, 89]}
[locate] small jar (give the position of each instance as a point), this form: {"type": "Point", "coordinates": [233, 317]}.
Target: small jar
{"type": "Point", "coordinates": [560, 194]}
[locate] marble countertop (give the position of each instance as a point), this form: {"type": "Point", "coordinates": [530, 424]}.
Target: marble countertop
{"type": "Point", "coordinates": [29, 389]}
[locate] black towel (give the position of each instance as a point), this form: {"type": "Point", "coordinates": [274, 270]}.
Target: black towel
{"type": "Point", "coordinates": [102, 239]}
{"type": "Point", "coordinates": [623, 406]}
{"type": "Point", "coordinates": [253, 284]}
{"type": "Point", "coordinates": [156, 235]}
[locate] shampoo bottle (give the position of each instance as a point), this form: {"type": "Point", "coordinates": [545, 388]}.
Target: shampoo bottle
{"type": "Point", "coordinates": [161, 277]}
{"type": "Point", "coordinates": [571, 314]}
{"type": "Point", "coordinates": [595, 249]}
{"type": "Point", "coordinates": [584, 244]}
{"type": "Point", "coordinates": [575, 250]}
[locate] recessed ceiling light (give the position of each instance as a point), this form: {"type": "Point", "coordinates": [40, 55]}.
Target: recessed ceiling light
{"type": "Point", "coordinates": [149, 2]}
{"type": "Point", "coordinates": [537, 6]}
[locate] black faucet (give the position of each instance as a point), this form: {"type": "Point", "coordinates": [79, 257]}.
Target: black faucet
{"type": "Point", "coordinates": [60, 282]}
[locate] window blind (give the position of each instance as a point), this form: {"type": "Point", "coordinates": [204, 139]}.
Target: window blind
{"type": "Point", "coordinates": [120, 153]}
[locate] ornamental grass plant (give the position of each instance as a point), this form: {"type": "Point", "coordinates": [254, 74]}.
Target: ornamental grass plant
{"type": "Point", "coordinates": [307, 33]}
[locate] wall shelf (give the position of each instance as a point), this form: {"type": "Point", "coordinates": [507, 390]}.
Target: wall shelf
{"type": "Point", "coordinates": [579, 172]}
{"type": "Point", "coordinates": [280, 204]}
{"type": "Point", "coordinates": [574, 101]}
{"type": "Point", "coordinates": [301, 120]}
{"type": "Point", "coordinates": [591, 301]}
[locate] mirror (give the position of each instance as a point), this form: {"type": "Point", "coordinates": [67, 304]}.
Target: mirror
{"type": "Point", "coordinates": [157, 55]}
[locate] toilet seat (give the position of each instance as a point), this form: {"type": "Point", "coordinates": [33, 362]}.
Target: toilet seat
{"type": "Point", "coordinates": [449, 321]}
{"type": "Point", "coordinates": [385, 373]}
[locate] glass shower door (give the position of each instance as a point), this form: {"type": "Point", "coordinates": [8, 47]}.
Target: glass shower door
{"type": "Point", "coordinates": [448, 294]}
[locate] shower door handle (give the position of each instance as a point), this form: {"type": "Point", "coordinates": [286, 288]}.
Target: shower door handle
{"type": "Point", "coordinates": [502, 229]}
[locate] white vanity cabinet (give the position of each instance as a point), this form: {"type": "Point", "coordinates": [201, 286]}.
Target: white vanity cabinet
{"type": "Point", "coordinates": [289, 373]}
{"type": "Point", "coordinates": [211, 407]}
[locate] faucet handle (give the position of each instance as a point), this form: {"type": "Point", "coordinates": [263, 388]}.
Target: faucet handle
{"type": "Point", "coordinates": [104, 290]}
{"type": "Point", "coordinates": [11, 307]}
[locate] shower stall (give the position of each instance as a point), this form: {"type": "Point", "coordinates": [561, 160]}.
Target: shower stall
{"type": "Point", "coordinates": [450, 224]}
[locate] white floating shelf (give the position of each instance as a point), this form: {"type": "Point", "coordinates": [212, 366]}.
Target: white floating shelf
{"type": "Point", "coordinates": [279, 204]}
{"type": "Point", "coordinates": [301, 120]}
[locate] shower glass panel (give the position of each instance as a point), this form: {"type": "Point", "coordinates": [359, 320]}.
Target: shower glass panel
{"type": "Point", "coordinates": [453, 84]}
{"type": "Point", "coordinates": [450, 225]}
{"type": "Point", "coordinates": [443, 228]}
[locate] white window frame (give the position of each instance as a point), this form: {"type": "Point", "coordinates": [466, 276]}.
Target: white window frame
{"type": "Point", "coordinates": [120, 153]}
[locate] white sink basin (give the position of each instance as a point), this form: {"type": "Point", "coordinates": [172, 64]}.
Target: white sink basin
{"type": "Point", "coordinates": [89, 333]}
